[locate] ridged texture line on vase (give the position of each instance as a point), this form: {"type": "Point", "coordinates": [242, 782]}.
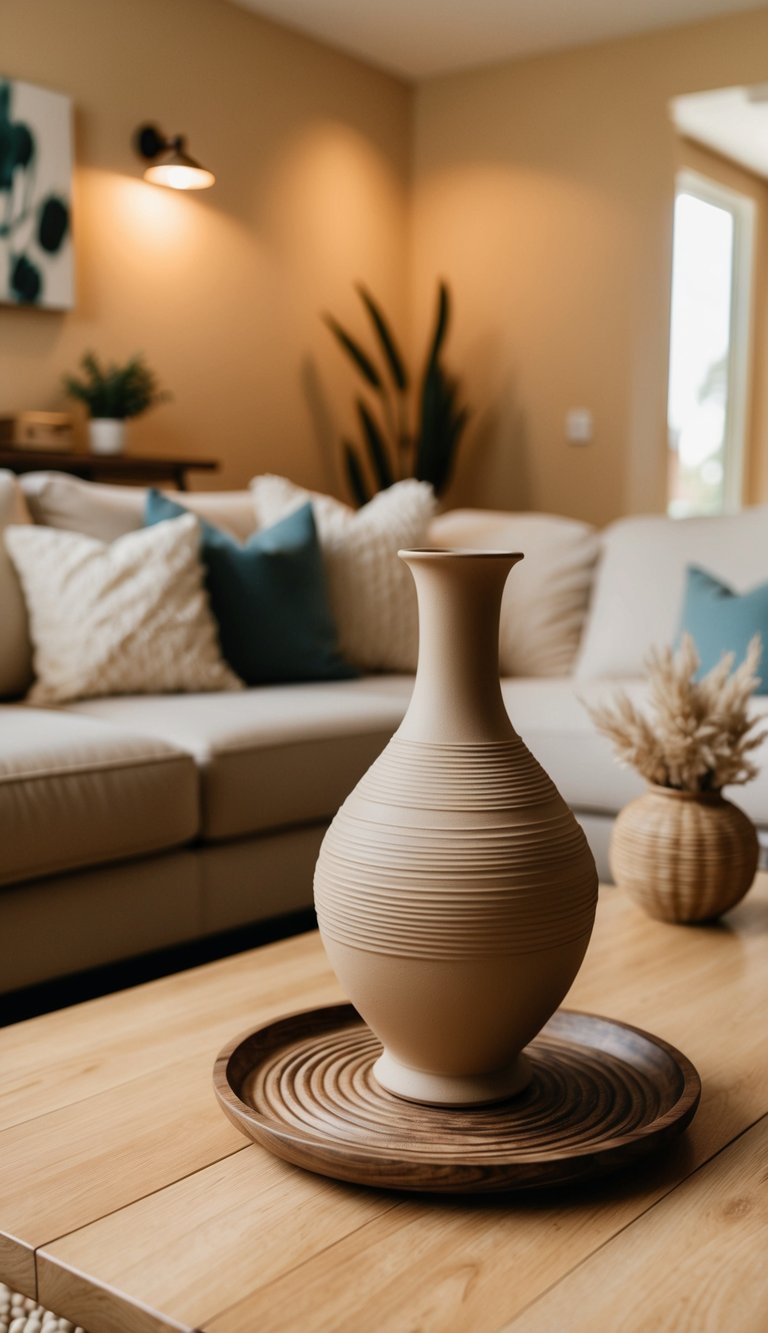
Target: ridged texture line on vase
{"type": "Point", "coordinates": [430, 891]}
{"type": "Point", "coordinates": [493, 776]}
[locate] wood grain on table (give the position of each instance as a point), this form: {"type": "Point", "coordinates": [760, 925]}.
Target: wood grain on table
{"type": "Point", "coordinates": [127, 1201]}
{"type": "Point", "coordinates": [698, 1252]}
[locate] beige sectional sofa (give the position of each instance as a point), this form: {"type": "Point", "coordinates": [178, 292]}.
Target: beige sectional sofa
{"type": "Point", "coordinates": [128, 824]}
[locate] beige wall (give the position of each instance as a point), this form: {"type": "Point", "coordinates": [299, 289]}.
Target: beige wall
{"type": "Point", "coordinates": [543, 189]}
{"type": "Point", "coordinates": [221, 290]}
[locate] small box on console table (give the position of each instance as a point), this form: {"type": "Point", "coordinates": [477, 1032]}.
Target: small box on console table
{"type": "Point", "coordinates": [37, 430]}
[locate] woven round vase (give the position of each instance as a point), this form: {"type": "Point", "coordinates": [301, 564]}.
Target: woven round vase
{"type": "Point", "coordinates": [683, 856]}
{"type": "Point", "coordinates": [455, 891]}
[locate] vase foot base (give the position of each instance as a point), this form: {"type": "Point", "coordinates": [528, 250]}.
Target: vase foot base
{"type": "Point", "coordinates": [414, 1085]}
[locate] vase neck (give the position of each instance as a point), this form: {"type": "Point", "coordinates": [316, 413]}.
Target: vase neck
{"type": "Point", "coordinates": [457, 694]}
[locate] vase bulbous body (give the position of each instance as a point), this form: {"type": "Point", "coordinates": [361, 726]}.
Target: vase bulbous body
{"type": "Point", "coordinates": [455, 891]}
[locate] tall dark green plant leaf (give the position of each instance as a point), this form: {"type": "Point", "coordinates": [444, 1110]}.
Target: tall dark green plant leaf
{"type": "Point", "coordinates": [434, 434]}
{"type": "Point", "coordinates": [391, 448]}
{"type": "Point", "coordinates": [453, 432]}
{"type": "Point", "coordinates": [354, 350]}
{"type": "Point", "coordinates": [425, 464]}
{"type": "Point", "coordinates": [355, 474]}
{"type": "Point", "coordinates": [441, 428]}
{"type": "Point", "coordinates": [377, 448]}
{"type": "Point", "coordinates": [441, 328]}
{"type": "Point", "coordinates": [387, 341]}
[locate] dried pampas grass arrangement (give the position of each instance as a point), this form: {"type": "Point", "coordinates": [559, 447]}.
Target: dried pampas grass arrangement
{"type": "Point", "coordinates": [698, 736]}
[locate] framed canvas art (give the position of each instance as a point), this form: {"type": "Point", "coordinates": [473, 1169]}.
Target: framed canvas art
{"type": "Point", "coordinates": [36, 257]}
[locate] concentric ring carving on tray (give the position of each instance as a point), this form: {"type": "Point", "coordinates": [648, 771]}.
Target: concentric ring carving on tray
{"type": "Point", "coordinates": [602, 1094]}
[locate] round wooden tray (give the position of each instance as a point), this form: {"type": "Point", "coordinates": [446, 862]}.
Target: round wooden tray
{"type": "Point", "coordinates": [602, 1095]}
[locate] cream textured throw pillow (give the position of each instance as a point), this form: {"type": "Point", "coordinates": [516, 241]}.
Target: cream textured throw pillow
{"type": "Point", "coordinates": [130, 618]}
{"type": "Point", "coordinates": [371, 591]}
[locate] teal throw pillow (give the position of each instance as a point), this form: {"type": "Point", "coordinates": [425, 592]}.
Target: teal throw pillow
{"type": "Point", "coordinates": [720, 620]}
{"type": "Point", "coordinates": [268, 596]}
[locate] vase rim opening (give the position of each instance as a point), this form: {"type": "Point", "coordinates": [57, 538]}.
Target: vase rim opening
{"type": "Point", "coordinates": [462, 552]}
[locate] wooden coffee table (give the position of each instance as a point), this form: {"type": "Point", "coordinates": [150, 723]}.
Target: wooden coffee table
{"type": "Point", "coordinates": [129, 1203]}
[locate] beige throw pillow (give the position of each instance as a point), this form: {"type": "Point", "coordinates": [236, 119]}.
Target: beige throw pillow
{"type": "Point", "coordinates": [15, 648]}
{"type": "Point", "coordinates": [127, 618]}
{"type": "Point", "coordinates": [546, 596]}
{"type": "Point", "coordinates": [371, 591]}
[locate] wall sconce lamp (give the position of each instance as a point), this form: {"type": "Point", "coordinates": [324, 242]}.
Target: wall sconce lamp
{"type": "Point", "coordinates": [171, 165]}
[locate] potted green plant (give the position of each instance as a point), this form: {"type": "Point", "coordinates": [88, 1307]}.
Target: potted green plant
{"type": "Point", "coordinates": [111, 394]}
{"type": "Point", "coordinates": [402, 438]}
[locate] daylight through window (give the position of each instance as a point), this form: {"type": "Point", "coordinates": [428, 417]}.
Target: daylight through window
{"type": "Point", "coordinates": [709, 347]}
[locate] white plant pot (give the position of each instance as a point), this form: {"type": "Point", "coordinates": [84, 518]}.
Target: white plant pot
{"type": "Point", "coordinates": [106, 435]}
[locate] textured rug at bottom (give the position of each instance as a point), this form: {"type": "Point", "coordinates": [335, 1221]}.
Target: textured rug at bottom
{"type": "Point", "coordinates": [21, 1314]}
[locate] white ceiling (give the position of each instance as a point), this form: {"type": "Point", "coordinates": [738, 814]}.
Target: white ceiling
{"type": "Point", "coordinates": [733, 121]}
{"type": "Point", "coordinates": [420, 38]}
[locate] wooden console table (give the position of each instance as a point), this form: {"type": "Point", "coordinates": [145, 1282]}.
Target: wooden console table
{"type": "Point", "coordinates": [145, 468]}
{"type": "Point", "coordinates": [128, 1201]}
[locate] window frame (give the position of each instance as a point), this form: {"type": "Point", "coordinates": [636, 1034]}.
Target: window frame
{"type": "Point", "coordinates": [743, 211]}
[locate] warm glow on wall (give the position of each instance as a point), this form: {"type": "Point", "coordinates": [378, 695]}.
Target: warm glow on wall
{"type": "Point", "coordinates": [145, 222]}
{"type": "Point", "coordinates": [323, 183]}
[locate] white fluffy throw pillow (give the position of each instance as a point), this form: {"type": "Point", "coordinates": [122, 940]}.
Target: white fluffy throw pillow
{"type": "Point", "coordinates": [127, 618]}
{"type": "Point", "coordinates": [371, 591]}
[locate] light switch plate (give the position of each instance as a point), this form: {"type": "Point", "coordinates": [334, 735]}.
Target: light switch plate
{"type": "Point", "coordinates": [578, 425]}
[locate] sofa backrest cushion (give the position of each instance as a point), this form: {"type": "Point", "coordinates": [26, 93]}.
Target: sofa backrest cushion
{"type": "Point", "coordinates": [640, 584]}
{"type": "Point", "coordinates": [15, 645]}
{"type": "Point", "coordinates": [546, 598]}
{"type": "Point", "coordinates": [107, 512]}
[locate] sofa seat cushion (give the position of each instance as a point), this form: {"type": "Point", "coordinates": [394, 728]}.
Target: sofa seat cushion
{"type": "Point", "coordinates": [76, 792]}
{"type": "Point", "coordinates": [273, 756]}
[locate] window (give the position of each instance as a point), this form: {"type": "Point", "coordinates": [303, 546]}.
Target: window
{"type": "Point", "coordinates": [709, 346]}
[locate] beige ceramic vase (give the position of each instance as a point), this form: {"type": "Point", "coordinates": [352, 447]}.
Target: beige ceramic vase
{"type": "Point", "coordinates": [455, 891]}
{"type": "Point", "coordinates": [683, 856]}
